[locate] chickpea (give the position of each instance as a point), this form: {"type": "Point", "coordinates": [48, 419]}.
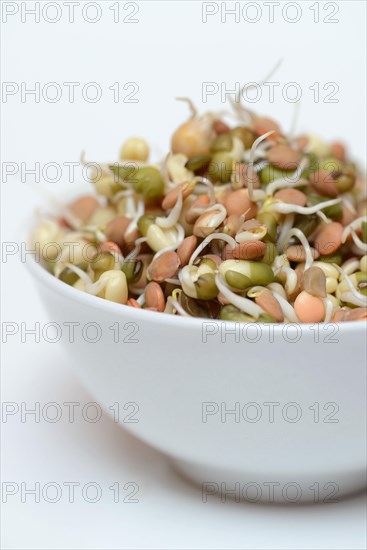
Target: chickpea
{"type": "Point", "coordinates": [135, 148]}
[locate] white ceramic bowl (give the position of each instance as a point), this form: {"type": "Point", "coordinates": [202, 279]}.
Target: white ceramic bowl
{"type": "Point", "coordinates": [297, 430]}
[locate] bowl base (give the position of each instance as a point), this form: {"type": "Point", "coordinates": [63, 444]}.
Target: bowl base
{"type": "Point", "coordinates": [238, 487]}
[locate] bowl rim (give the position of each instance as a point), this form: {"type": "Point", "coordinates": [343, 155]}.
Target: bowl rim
{"type": "Point", "coordinates": [39, 272]}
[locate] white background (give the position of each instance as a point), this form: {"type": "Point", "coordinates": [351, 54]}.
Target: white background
{"type": "Point", "coordinates": [170, 52]}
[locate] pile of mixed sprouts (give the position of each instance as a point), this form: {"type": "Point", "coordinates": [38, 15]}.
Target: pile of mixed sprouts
{"type": "Point", "coordinates": [240, 223]}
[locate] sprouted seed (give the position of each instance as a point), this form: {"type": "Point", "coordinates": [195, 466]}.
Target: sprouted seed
{"type": "Point", "coordinates": [238, 222]}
